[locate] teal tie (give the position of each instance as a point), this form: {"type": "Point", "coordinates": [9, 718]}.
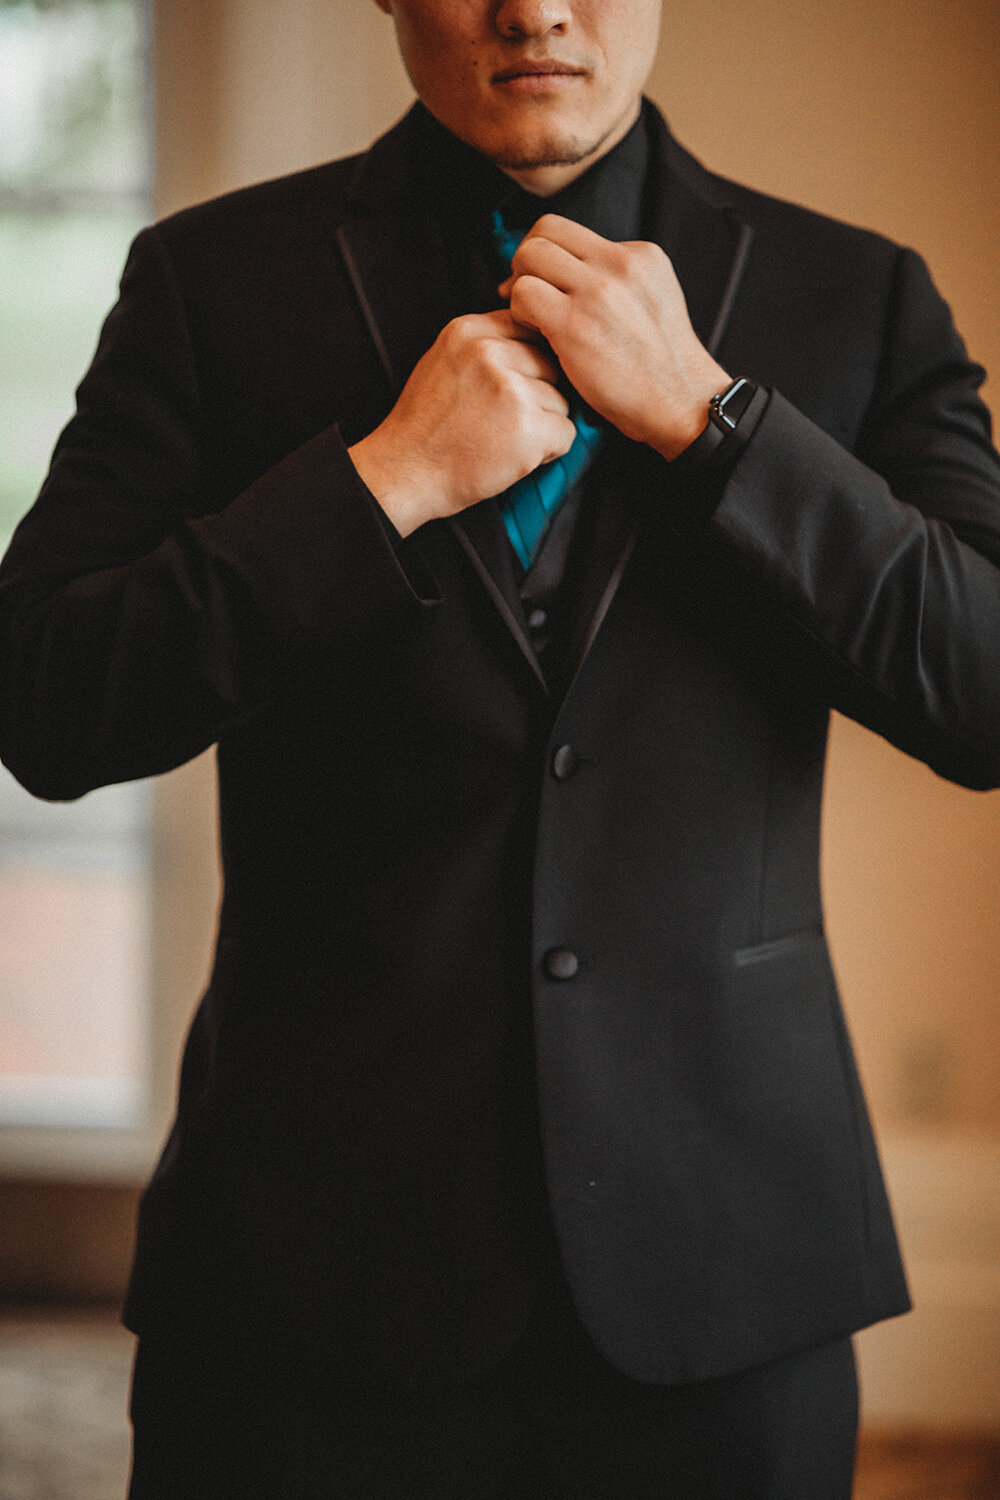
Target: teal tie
{"type": "Point", "coordinates": [529, 505]}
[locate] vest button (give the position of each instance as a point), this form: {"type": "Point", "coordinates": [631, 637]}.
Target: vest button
{"type": "Point", "coordinates": [538, 619]}
{"type": "Point", "coordinates": [560, 963]}
{"type": "Point", "coordinates": [564, 762]}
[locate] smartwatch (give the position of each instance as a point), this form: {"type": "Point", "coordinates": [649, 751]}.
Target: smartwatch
{"type": "Point", "coordinates": [725, 412]}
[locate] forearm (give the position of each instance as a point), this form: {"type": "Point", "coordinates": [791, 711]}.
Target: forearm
{"type": "Point", "coordinates": [122, 668]}
{"type": "Point", "coordinates": [889, 600]}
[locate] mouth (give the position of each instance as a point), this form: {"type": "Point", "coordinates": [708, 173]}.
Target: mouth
{"type": "Point", "coordinates": [537, 72]}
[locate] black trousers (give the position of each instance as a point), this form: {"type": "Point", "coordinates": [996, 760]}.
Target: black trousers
{"type": "Point", "coordinates": [553, 1422]}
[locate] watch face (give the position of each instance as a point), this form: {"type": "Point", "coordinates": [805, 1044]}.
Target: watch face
{"type": "Point", "coordinates": [731, 405]}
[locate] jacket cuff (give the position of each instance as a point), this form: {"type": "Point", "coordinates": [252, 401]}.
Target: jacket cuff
{"type": "Point", "coordinates": [721, 457]}
{"type": "Point", "coordinates": [308, 541]}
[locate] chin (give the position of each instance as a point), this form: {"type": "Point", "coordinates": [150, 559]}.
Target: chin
{"type": "Point", "coordinates": [562, 150]}
{"type": "Point", "coordinates": [557, 144]}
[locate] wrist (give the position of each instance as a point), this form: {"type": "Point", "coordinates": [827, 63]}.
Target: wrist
{"type": "Point", "coordinates": [733, 412]}
{"type": "Point", "coordinates": [395, 488]}
{"type": "Point", "coordinates": [687, 423]}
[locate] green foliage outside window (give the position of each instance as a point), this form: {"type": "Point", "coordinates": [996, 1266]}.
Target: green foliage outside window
{"type": "Point", "coordinates": [73, 190]}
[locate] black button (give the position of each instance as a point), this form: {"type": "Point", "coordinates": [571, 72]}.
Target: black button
{"type": "Point", "coordinates": [538, 619]}
{"type": "Point", "coordinates": [564, 762]}
{"type": "Point", "coordinates": [560, 963]}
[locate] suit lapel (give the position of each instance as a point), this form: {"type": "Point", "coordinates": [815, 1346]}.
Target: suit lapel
{"type": "Point", "coordinates": [708, 246]}
{"type": "Point", "coordinates": [395, 258]}
{"type": "Point", "coordinates": [687, 215]}
{"type": "Point", "coordinates": [398, 270]}
{"type": "Point", "coordinates": [481, 535]}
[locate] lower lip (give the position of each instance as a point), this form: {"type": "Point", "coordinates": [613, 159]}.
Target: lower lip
{"type": "Point", "coordinates": [537, 83]}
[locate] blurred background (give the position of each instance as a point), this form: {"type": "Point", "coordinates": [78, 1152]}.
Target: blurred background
{"type": "Point", "coordinates": [883, 112]}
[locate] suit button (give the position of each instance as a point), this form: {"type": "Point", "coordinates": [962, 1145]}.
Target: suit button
{"type": "Point", "coordinates": [560, 963]}
{"type": "Point", "coordinates": [538, 619]}
{"type": "Point", "coordinates": [564, 762]}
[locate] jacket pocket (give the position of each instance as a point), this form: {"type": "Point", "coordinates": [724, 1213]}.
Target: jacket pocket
{"type": "Point", "coordinates": [780, 947]}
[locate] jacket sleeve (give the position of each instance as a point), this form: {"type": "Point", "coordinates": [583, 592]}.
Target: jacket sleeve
{"type": "Point", "coordinates": [884, 564]}
{"type": "Point", "coordinates": [139, 617]}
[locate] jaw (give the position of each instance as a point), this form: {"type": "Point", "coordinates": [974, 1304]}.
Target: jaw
{"type": "Point", "coordinates": [545, 149]}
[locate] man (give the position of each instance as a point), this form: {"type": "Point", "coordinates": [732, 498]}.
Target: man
{"type": "Point", "coordinates": [520, 1150]}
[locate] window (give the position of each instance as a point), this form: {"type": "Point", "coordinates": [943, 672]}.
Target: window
{"type": "Point", "coordinates": [75, 881]}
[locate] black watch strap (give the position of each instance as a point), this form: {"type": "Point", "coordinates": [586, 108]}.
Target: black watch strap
{"type": "Point", "coordinates": [725, 412]}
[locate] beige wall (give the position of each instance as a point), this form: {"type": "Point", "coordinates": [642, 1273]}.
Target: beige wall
{"type": "Point", "coordinates": [251, 88]}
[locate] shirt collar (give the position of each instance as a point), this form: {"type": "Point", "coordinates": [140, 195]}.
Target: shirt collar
{"type": "Point", "coordinates": [459, 180]}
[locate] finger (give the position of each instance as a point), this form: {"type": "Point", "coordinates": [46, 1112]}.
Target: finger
{"type": "Point", "coordinates": [501, 325]}
{"type": "Point", "coordinates": [562, 439]}
{"type": "Point", "coordinates": [534, 303]}
{"type": "Point", "coordinates": [548, 398]}
{"type": "Point", "coordinates": [528, 359]}
{"type": "Point", "coordinates": [551, 262]}
{"type": "Point", "coordinates": [575, 238]}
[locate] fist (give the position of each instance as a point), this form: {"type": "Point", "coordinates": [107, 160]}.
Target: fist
{"type": "Point", "coordinates": [479, 412]}
{"type": "Point", "coordinates": [616, 320]}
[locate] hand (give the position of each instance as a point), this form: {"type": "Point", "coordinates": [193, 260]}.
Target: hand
{"type": "Point", "coordinates": [480, 411]}
{"type": "Point", "coordinates": [616, 320]}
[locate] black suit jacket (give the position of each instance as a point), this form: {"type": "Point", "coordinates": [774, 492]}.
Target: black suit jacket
{"type": "Point", "coordinates": [403, 848]}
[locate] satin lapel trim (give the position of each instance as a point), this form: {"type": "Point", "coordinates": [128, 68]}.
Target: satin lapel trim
{"type": "Point", "coordinates": [481, 535]}
{"type": "Point", "coordinates": [623, 494]}
{"type": "Point", "coordinates": [398, 270]}
{"type": "Point", "coordinates": [690, 217]}
{"type": "Point", "coordinates": [709, 249]}
{"type": "Point", "coordinates": [399, 273]}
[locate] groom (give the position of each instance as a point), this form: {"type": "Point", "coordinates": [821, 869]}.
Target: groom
{"type": "Point", "coordinates": [511, 505]}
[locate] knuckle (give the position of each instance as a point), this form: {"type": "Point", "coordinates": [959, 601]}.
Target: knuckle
{"type": "Point", "coordinates": [495, 384]}
{"type": "Point", "coordinates": [461, 329]}
{"type": "Point", "coordinates": [648, 254]}
{"type": "Point", "coordinates": [526, 255]}
{"type": "Point", "coordinates": [521, 296]}
{"type": "Point", "coordinates": [448, 340]}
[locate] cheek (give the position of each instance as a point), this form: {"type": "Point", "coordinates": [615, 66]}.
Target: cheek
{"type": "Point", "coordinates": [431, 52]}
{"type": "Point", "coordinates": [630, 33]}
